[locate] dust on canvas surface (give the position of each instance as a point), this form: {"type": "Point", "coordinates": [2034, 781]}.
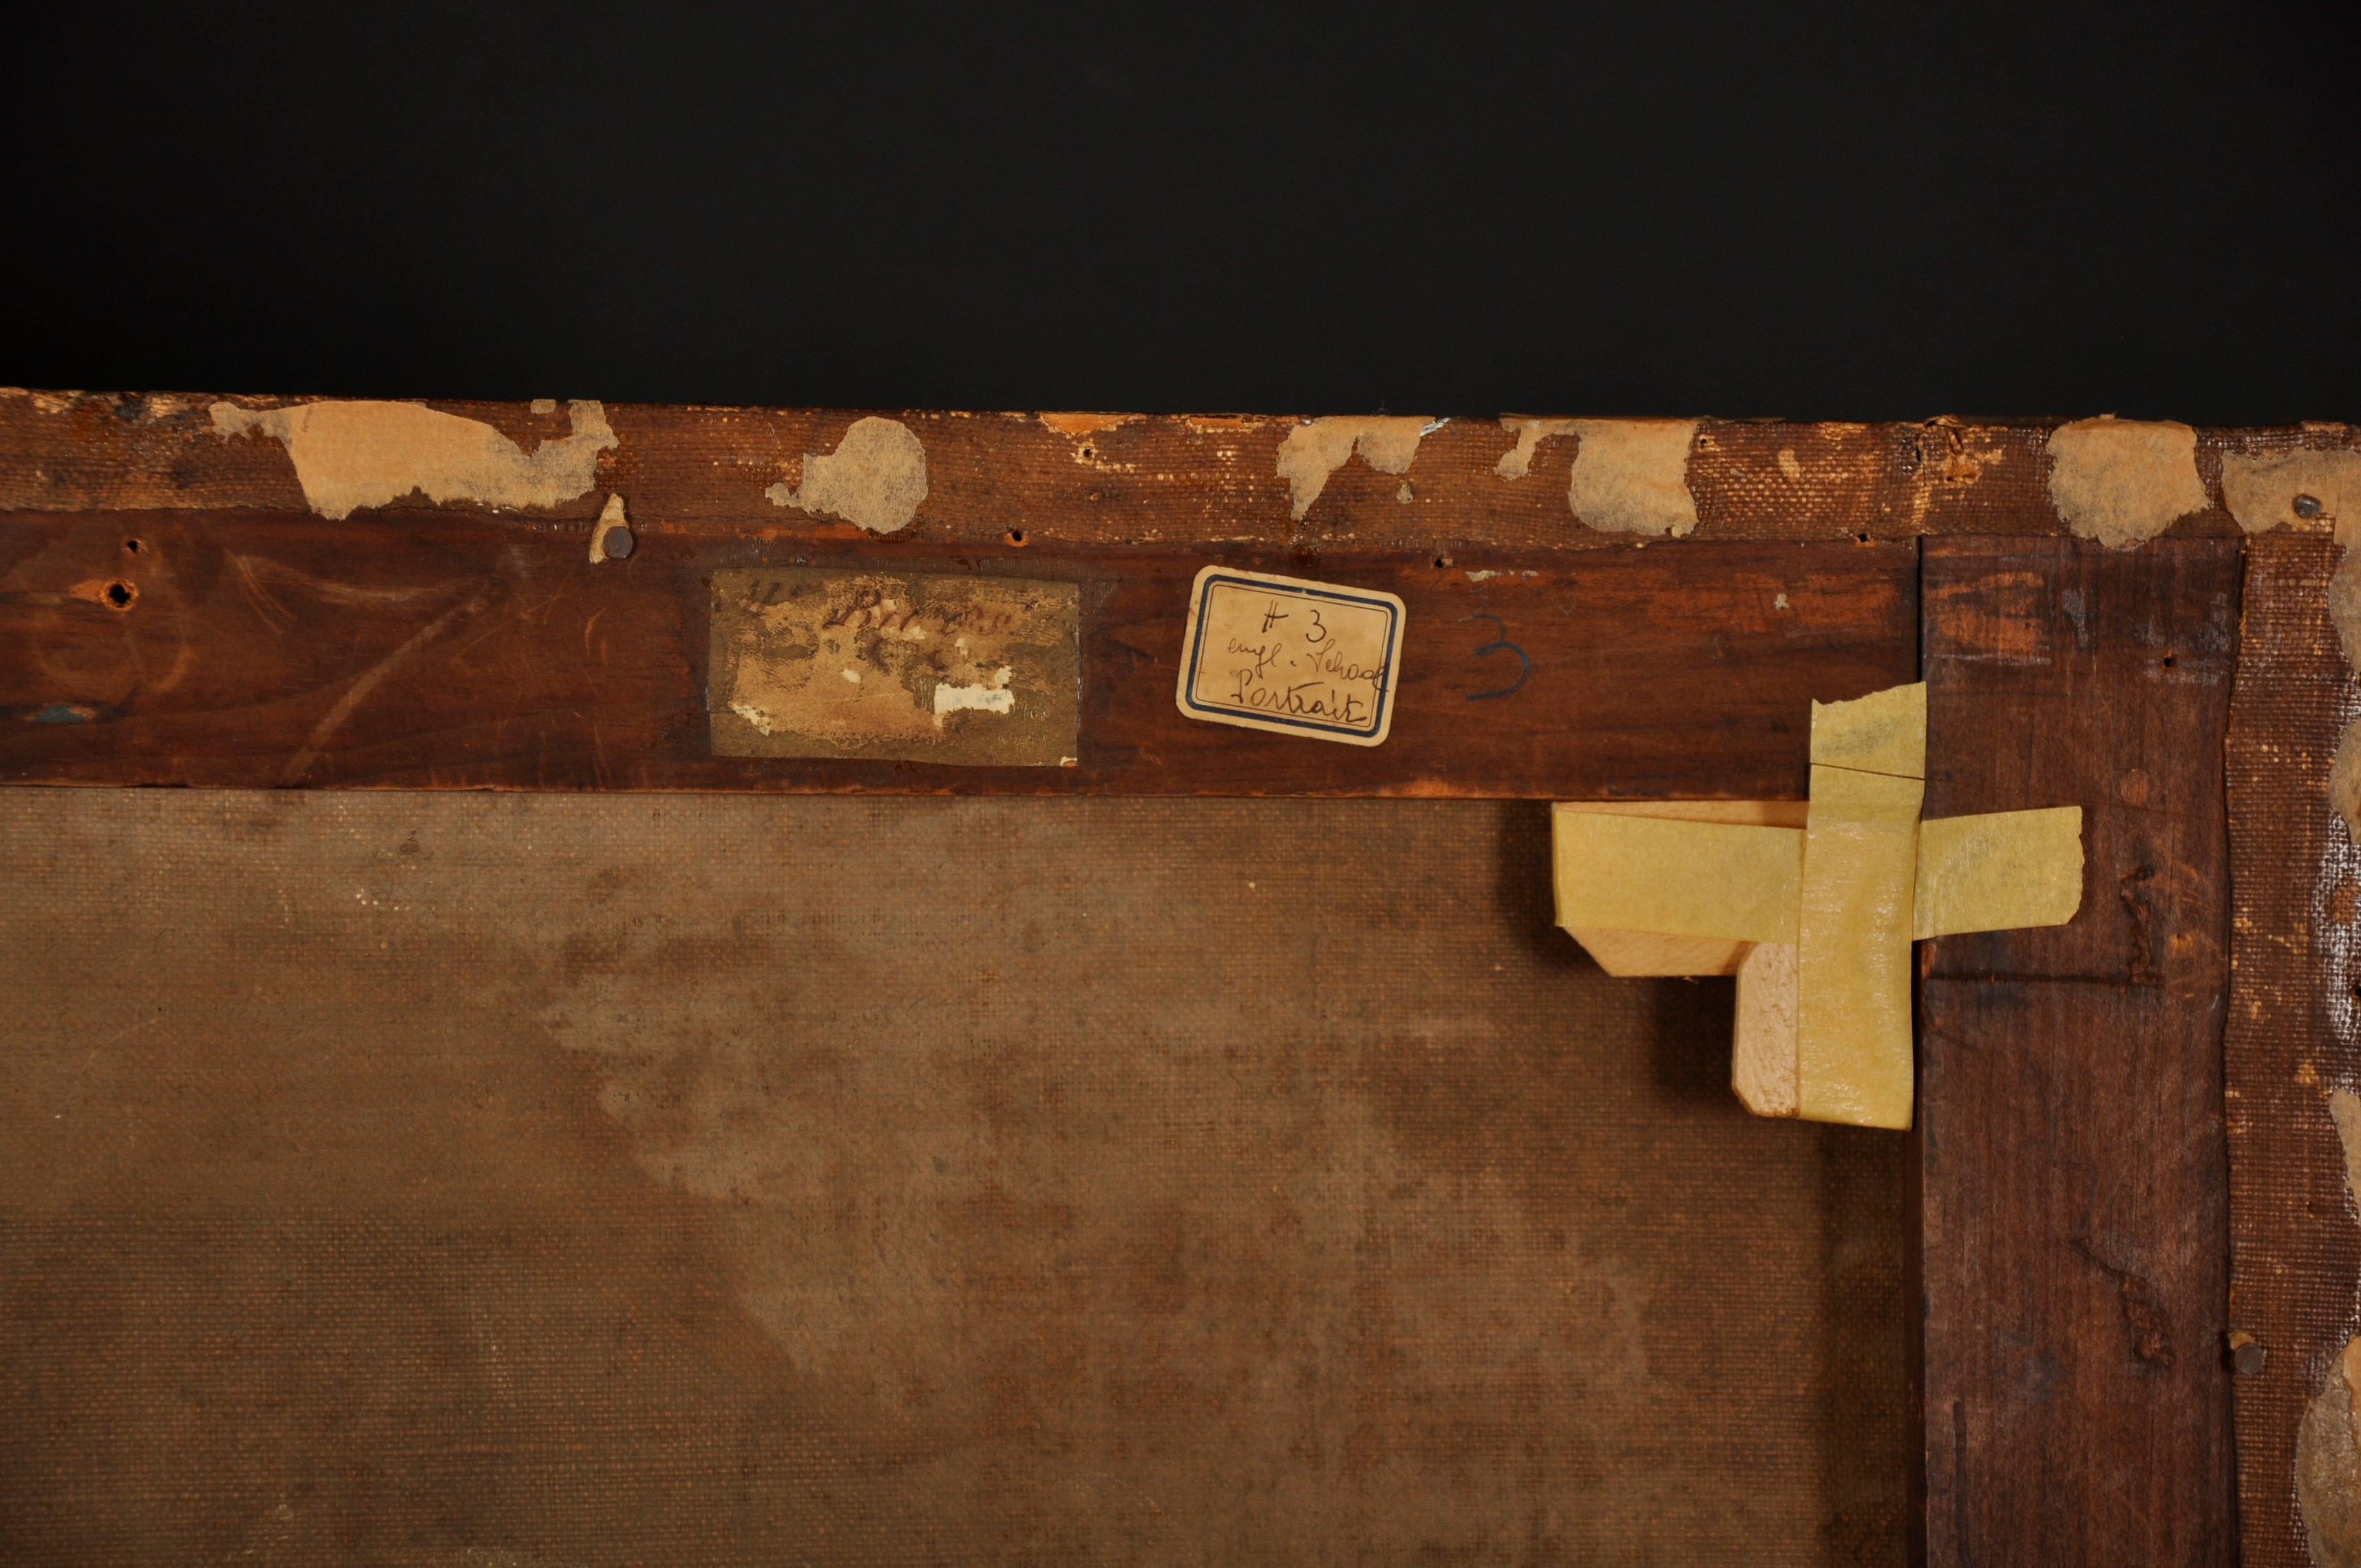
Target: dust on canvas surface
{"type": "Point", "coordinates": [724, 1179]}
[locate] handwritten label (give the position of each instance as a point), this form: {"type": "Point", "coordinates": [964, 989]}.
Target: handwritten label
{"type": "Point", "coordinates": [1281, 654]}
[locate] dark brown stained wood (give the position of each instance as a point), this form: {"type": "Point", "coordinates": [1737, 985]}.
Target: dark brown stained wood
{"type": "Point", "coordinates": [1155, 480]}
{"type": "Point", "coordinates": [2073, 1191]}
{"type": "Point", "coordinates": [2295, 1248]}
{"type": "Point", "coordinates": [438, 650]}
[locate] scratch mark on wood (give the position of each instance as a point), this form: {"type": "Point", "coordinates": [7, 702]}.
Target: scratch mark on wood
{"type": "Point", "coordinates": [366, 683]}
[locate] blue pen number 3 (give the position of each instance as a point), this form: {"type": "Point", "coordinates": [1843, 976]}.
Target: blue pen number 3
{"type": "Point", "coordinates": [1499, 644]}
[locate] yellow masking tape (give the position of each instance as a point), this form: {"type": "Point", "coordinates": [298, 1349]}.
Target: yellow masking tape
{"type": "Point", "coordinates": [1998, 870]}
{"type": "Point", "coordinates": [1884, 732]}
{"type": "Point", "coordinates": [1852, 959]}
{"type": "Point", "coordinates": [1682, 879]}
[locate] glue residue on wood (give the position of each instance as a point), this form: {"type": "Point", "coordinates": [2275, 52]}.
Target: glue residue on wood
{"type": "Point", "coordinates": [971, 671]}
{"type": "Point", "coordinates": [1630, 476]}
{"type": "Point", "coordinates": [875, 479]}
{"type": "Point", "coordinates": [1518, 460]}
{"type": "Point", "coordinates": [349, 455]}
{"type": "Point", "coordinates": [2123, 481]}
{"type": "Point", "coordinates": [2307, 490]}
{"type": "Point", "coordinates": [1319, 447]}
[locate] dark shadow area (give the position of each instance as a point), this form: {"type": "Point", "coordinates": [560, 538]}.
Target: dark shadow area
{"type": "Point", "coordinates": [1528, 904]}
{"type": "Point", "coordinates": [1689, 1049]}
{"type": "Point", "coordinates": [1866, 1299]}
{"type": "Point", "coordinates": [1688, 1053]}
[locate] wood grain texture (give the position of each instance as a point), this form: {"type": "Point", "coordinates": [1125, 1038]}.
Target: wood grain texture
{"type": "Point", "coordinates": [435, 650]}
{"type": "Point", "coordinates": [2295, 1247]}
{"type": "Point", "coordinates": [2072, 1190]}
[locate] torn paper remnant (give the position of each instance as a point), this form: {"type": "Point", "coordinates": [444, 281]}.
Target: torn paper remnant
{"type": "Point", "coordinates": [1518, 460]}
{"type": "Point", "coordinates": [1312, 451]}
{"type": "Point", "coordinates": [1630, 476]}
{"type": "Point", "coordinates": [934, 668]}
{"type": "Point", "coordinates": [994, 698]}
{"type": "Point", "coordinates": [611, 535]}
{"type": "Point", "coordinates": [2123, 481]}
{"type": "Point", "coordinates": [875, 479]}
{"type": "Point", "coordinates": [2320, 491]}
{"type": "Point", "coordinates": [2328, 1465]}
{"type": "Point", "coordinates": [351, 455]}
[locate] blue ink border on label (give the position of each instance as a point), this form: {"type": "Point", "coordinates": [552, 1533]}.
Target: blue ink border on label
{"type": "Point", "coordinates": [1197, 652]}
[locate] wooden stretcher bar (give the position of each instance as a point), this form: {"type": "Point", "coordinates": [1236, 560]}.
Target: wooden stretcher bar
{"type": "Point", "coordinates": [256, 592]}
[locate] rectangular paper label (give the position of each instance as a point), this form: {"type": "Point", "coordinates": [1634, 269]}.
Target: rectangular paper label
{"type": "Point", "coordinates": [1301, 658]}
{"type": "Point", "coordinates": [982, 671]}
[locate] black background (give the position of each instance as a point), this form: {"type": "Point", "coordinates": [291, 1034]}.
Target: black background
{"type": "Point", "coordinates": [1816, 212]}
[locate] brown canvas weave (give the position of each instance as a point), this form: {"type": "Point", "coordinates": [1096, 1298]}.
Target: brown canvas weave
{"type": "Point", "coordinates": [477, 1179]}
{"type": "Point", "coordinates": [2296, 1255]}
